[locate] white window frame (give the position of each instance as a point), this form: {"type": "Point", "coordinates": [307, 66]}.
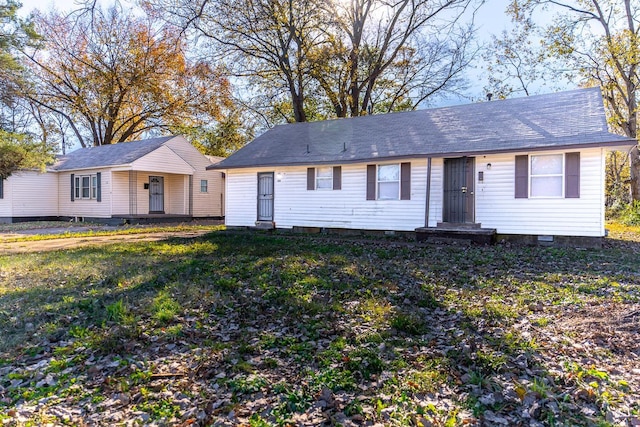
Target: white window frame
{"type": "Point", "coordinates": [326, 179]}
{"type": "Point", "coordinates": [79, 187]}
{"type": "Point", "coordinates": [204, 185]}
{"type": "Point", "coordinates": [378, 181]}
{"type": "Point", "coordinates": [533, 176]}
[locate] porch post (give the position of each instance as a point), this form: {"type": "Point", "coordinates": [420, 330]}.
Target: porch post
{"type": "Point", "coordinates": [190, 195]}
{"type": "Point", "coordinates": [133, 193]}
{"type": "Point", "coordinates": [428, 195]}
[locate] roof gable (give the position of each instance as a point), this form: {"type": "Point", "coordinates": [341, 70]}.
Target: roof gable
{"type": "Point", "coordinates": [163, 160]}
{"type": "Point", "coordinates": [120, 154]}
{"type": "Point", "coordinates": [572, 118]}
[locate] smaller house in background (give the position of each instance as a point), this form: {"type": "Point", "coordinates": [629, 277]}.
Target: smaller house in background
{"type": "Point", "coordinates": [530, 166]}
{"type": "Point", "coordinates": [158, 178]}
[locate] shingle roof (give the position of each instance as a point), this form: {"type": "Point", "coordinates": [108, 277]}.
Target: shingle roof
{"type": "Point", "coordinates": [563, 119]}
{"type": "Point", "coordinates": [109, 155]}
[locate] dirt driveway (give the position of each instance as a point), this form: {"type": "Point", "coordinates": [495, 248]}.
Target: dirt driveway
{"type": "Point", "coordinates": [9, 246]}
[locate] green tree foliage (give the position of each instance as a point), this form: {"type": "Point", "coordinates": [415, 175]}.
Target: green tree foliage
{"type": "Point", "coordinates": [18, 149]}
{"type": "Point", "coordinates": [221, 139]}
{"type": "Point", "coordinates": [112, 76]}
{"type": "Point", "coordinates": [616, 181]}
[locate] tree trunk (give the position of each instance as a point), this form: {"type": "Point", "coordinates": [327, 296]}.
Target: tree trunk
{"type": "Point", "coordinates": [634, 174]}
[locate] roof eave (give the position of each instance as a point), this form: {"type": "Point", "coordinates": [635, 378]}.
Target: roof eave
{"type": "Point", "coordinates": [620, 144]}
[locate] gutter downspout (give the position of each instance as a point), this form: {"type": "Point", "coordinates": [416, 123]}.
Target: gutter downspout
{"type": "Point", "coordinates": [426, 207]}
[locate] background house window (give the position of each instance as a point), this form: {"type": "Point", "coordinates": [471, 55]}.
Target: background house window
{"type": "Point", "coordinates": [324, 178]}
{"type": "Point", "coordinates": [94, 187]}
{"type": "Point", "coordinates": [85, 187]}
{"type": "Point", "coordinates": [389, 182]}
{"type": "Point", "coordinates": [547, 175]}
{"type": "Point", "coordinates": [204, 186]}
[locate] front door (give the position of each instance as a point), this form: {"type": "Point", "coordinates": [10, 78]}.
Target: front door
{"type": "Point", "coordinates": [459, 190]}
{"type": "Point", "coordinates": [265, 196]}
{"type": "Point", "coordinates": [156, 194]}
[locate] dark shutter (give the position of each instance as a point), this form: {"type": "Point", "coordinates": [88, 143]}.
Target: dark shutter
{"type": "Point", "coordinates": [522, 177]}
{"type": "Point", "coordinates": [405, 181]}
{"type": "Point", "coordinates": [73, 190]}
{"type": "Point", "coordinates": [337, 177]}
{"type": "Point", "coordinates": [371, 182]}
{"type": "Point", "coordinates": [1, 188]}
{"type": "Point", "coordinates": [572, 175]}
{"type": "Point", "coordinates": [99, 185]}
{"type": "Point", "coordinates": [311, 178]}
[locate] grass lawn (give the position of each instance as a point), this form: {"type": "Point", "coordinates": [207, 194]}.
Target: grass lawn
{"type": "Point", "coordinates": [258, 329]}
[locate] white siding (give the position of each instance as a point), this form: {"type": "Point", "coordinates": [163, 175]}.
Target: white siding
{"type": "Point", "coordinates": [495, 204]}
{"type": "Point", "coordinates": [6, 206]}
{"type": "Point", "coordinates": [206, 204]}
{"type": "Point", "coordinates": [34, 194]}
{"type": "Point", "coordinates": [120, 193]}
{"type": "Point", "coordinates": [84, 207]}
{"type": "Point", "coordinates": [497, 207]}
{"type": "Point", "coordinates": [176, 194]}
{"type": "Point", "coordinates": [294, 205]}
{"type": "Point", "coordinates": [242, 196]}
{"type": "Point", "coordinates": [436, 192]}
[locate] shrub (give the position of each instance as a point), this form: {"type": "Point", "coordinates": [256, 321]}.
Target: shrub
{"type": "Point", "coordinates": [630, 214]}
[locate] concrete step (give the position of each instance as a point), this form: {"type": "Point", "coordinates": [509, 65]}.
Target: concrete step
{"type": "Point", "coordinates": [482, 236]}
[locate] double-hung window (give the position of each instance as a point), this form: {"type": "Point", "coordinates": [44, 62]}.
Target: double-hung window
{"type": "Point", "coordinates": [547, 175]}
{"type": "Point", "coordinates": [86, 186]}
{"type": "Point", "coordinates": [204, 186]}
{"type": "Point", "coordinates": [324, 178]}
{"type": "Point", "coordinates": [388, 180]}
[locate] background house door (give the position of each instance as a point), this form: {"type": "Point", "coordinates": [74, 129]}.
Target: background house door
{"type": "Point", "coordinates": [459, 190]}
{"type": "Point", "coordinates": [156, 194]}
{"type": "Point", "coordinates": [265, 196]}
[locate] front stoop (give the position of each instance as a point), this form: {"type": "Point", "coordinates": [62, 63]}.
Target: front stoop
{"type": "Point", "coordinates": [481, 236]}
{"type": "Point", "coordinates": [265, 225]}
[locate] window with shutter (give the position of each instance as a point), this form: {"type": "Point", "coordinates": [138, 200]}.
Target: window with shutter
{"type": "Point", "coordinates": [547, 176]}
{"type": "Point", "coordinates": [389, 181]}
{"type": "Point", "coordinates": [324, 178]}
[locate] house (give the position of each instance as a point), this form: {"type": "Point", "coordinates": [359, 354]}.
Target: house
{"type": "Point", "coordinates": [157, 178]}
{"type": "Point", "coordinates": [530, 166]}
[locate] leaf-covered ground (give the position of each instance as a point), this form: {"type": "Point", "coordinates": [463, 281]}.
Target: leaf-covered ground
{"type": "Point", "coordinates": [237, 328]}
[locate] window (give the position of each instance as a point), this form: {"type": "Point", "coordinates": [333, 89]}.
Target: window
{"type": "Point", "coordinates": [388, 179]}
{"type": "Point", "coordinates": [86, 187]}
{"type": "Point", "coordinates": [204, 186]}
{"type": "Point", "coordinates": [324, 178]}
{"type": "Point", "coordinates": [547, 175]}
{"type": "Point", "coordinates": [94, 187]}
{"type": "Point", "coordinates": [389, 182]}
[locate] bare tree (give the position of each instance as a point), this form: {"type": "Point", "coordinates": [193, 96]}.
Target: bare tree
{"type": "Point", "coordinates": [335, 58]}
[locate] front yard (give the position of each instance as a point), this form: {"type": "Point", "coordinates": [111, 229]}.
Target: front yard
{"type": "Point", "coordinates": [256, 329]}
